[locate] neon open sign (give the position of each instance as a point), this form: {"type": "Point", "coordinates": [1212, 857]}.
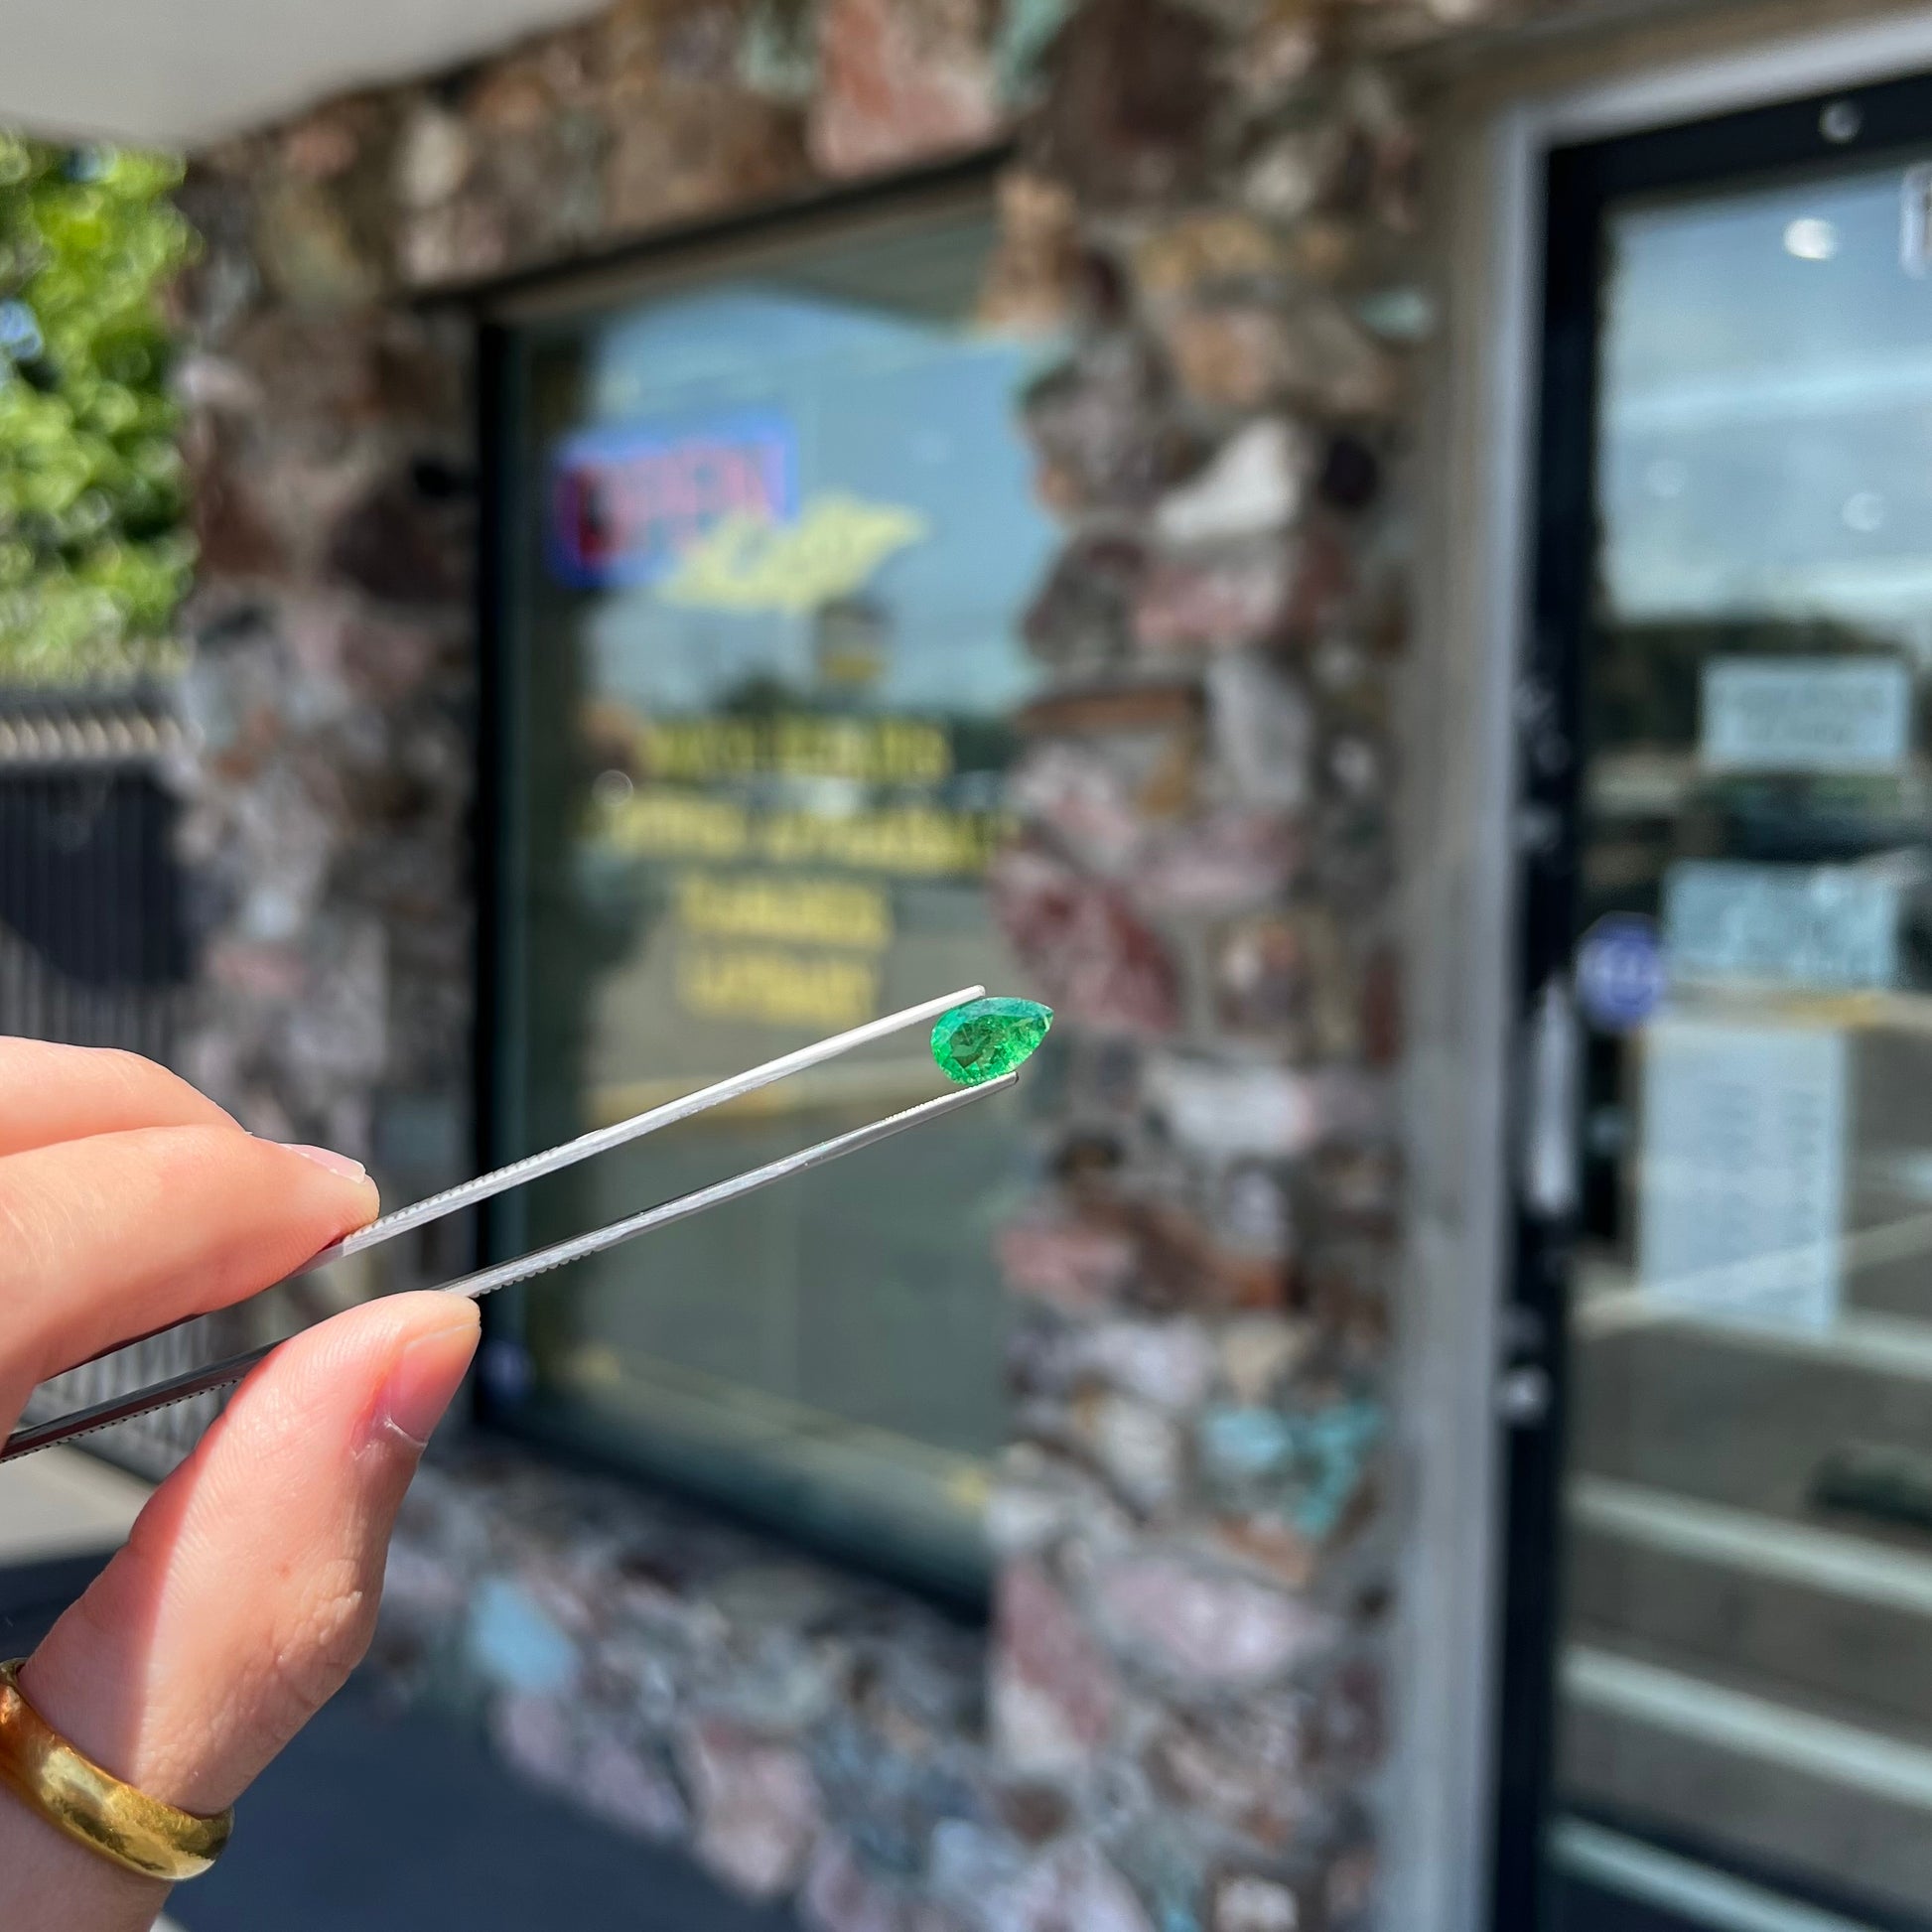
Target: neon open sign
{"type": "Point", "coordinates": [626, 502]}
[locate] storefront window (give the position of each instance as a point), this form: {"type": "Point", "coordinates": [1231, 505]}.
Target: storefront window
{"type": "Point", "coordinates": [770, 530]}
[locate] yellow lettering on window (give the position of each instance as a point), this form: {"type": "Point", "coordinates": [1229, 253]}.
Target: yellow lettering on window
{"type": "Point", "coordinates": [661, 822]}
{"type": "Point", "coordinates": [777, 988]}
{"type": "Point", "coordinates": [833, 549]}
{"type": "Point", "coordinates": [872, 751]}
{"type": "Point", "coordinates": [808, 911]}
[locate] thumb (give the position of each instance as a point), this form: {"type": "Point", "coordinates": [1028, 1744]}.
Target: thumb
{"type": "Point", "coordinates": [248, 1588]}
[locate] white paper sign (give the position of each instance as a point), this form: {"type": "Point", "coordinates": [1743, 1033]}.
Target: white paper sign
{"type": "Point", "coordinates": [1824, 926]}
{"type": "Point", "coordinates": [1806, 714]}
{"type": "Point", "coordinates": [1743, 1171]}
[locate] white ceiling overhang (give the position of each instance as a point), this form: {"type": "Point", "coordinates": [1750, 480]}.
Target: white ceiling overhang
{"type": "Point", "coordinates": [179, 73]}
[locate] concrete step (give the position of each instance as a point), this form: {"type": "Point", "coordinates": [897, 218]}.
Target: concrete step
{"type": "Point", "coordinates": [1782, 1782]}
{"type": "Point", "coordinates": [1745, 1419]}
{"type": "Point", "coordinates": [1777, 1605]}
{"type": "Point", "coordinates": [1609, 1881]}
{"type": "Point", "coordinates": [64, 1502]}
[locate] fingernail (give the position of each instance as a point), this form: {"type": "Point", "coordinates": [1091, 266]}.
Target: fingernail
{"type": "Point", "coordinates": [428, 1374]}
{"type": "Point", "coordinates": [326, 1157]}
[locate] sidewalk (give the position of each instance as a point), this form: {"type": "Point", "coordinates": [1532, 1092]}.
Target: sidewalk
{"type": "Point", "coordinates": [373, 1824]}
{"type": "Point", "coordinates": [369, 1821]}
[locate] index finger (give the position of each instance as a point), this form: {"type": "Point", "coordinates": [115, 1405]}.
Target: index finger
{"type": "Point", "coordinates": [119, 1234]}
{"type": "Point", "coordinates": [50, 1095]}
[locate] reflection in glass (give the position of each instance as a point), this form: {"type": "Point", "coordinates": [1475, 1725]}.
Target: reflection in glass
{"type": "Point", "coordinates": [773, 534]}
{"type": "Point", "coordinates": [1746, 1664]}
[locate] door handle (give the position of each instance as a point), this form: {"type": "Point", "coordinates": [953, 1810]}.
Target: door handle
{"type": "Point", "coordinates": [1549, 1104]}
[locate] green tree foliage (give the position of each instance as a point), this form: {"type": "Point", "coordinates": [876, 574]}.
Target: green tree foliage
{"type": "Point", "coordinates": [94, 552]}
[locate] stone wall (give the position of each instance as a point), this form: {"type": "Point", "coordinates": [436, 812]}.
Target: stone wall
{"type": "Point", "coordinates": [1179, 1716]}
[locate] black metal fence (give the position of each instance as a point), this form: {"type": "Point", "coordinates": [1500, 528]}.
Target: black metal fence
{"type": "Point", "coordinates": [94, 951]}
{"type": "Point", "coordinates": [92, 946]}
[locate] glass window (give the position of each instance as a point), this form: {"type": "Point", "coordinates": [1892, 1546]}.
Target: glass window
{"type": "Point", "coordinates": [770, 530]}
{"type": "Point", "coordinates": [1746, 1668]}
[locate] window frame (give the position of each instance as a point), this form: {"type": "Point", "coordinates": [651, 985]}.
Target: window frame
{"type": "Point", "coordinates": [1490, 126]}
{"type": "Point", "coordinates": [1581, 182]}
{"type": "Point", "coordinates": [661, 262]}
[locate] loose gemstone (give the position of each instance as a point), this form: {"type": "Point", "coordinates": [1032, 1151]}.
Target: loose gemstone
{"type": "Point", "coordinates": [981, 1040]}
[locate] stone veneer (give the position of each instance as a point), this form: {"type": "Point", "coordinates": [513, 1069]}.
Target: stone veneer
{"type": "Point", "coordinates": [1180, 1716]}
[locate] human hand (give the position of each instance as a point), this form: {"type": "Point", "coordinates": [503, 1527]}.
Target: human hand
{"type": "Point", "coordinates": [248, 1588]}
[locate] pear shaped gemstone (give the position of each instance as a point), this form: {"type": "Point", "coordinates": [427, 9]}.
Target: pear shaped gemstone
{"type": "Point", "coordinates": [986, 1037]}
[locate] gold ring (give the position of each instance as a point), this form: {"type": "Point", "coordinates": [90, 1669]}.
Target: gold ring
{"type": "Point", "coordinates": [91, 1806]}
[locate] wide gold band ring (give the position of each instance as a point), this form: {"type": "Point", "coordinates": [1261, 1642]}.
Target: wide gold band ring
{"type": "Point", "coordinates": [93, 1807]}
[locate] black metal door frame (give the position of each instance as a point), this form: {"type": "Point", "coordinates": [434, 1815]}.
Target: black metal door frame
{"type": "Point", "coordinates": [1856, 126]}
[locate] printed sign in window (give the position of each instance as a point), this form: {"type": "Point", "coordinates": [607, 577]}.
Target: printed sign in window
{"type": "Point", "coordinates": [1806, 714]}
{"type": "Point", "coordinates": [1743, 1171]}
{"type": "Point", "coordinates": [1826, 927]}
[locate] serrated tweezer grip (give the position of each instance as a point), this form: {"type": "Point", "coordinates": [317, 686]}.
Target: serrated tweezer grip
{"type": "Point", "coordinates": [486, 1281]}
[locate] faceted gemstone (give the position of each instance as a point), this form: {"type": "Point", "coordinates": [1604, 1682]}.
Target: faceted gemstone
{"type": "Point", "coordinates": [988, 1038]}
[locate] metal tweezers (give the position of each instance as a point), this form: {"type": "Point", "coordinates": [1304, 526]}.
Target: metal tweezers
{"type": "Point", "coordinates": [506, 1274]}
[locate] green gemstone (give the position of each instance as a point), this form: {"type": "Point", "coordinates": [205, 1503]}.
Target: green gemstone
{"type": "Point", "coordinates": [988, 1038]}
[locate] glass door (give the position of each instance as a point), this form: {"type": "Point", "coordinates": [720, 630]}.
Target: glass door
{"type": "Point", "coordinates": [1722, 1528]}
